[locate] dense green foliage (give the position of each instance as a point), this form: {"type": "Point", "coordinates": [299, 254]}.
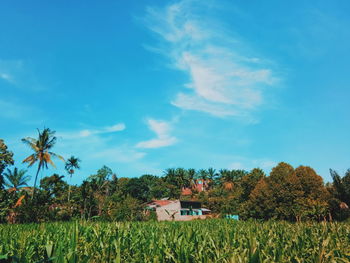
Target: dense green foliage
{"type": "Point", "coordinates": [14, 179]}
{"type": "Point", "coordinates": [6, 159]}
{"type": "Point", "coordinates": [196, 241]}
{"type": "Point", "coordinates": [287, 193]}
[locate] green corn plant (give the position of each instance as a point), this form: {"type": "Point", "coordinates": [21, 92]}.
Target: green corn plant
{"type": "Point", "coordinates": [214, 240]}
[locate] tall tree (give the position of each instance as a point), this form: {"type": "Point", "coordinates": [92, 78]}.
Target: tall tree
{"type": "Point", "coordinates": [340, 190]}
{"type": "Point", "coordinates": [14, 179]}
{"type": "Point", "coordinates": [314, 200]}
{"type": "Point", "coordinates": [191, 173]}
{"type": "Point", "coordinates": [102, 175]}
{"type": "Point", "coordinates": [101, 183]}
{"type": "Point", "coordinates": [276, 196]}
{"type": "Point", "coordinates": [71, 164]}
{"type": "Point", "coordinates": [261, 202]}
{"type": "Point", "coordinates": [42, 155]}
{"type": "Point", "coordinates": [311, 183]}
{"type": "Point", "coordinates": [342, 186]}
{"type": "Point", "coordinates": [183, 178]}
{"type": "Point", "coordinates": [138, 188]}
{"type": "Point", "coordinates": [286, 189]}
{"type": "Point", "coordinates": [230, 178]}
{"type": "Point", "coordinates": [55, 186]}
{"type": "Point", "coordinates": [203, 177]}
{"type": "Point", "coordinates": [212, 176]}
{"type": "Point", "coordinates": [174, 183]}
{"type": "Point", "coordinates": [88, 200]}
{"type": "Point", "coordinates": [226, 179]}
{"type": "Point", "coordinates": [249, 182]}
{"type": "Point", "coordinates": [6, 158]}
{"type": "Point", "coordinates": [172, 177]}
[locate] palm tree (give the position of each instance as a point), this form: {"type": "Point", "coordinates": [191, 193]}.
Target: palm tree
{"type": "Point", "coordinates": [230, 178]}
{"type": "Point", "coordinates": [227, 179]}
{"type": "Point", "coordinates": [42, 151]}
{"type": "Point", "coordinates": [16, 179]}
{"type": "Point", "coordinates": [203, 176]}
{"type": "Point", "coordinates": [192, 177]}
{"type": "Point", "coordinates": [171, 177]}
{"type": "Point", "coordinates": [182, 177]}
{"type": "Point", "coordinates": [212, 174]}
{"type": "Point", "coordinates": [71, 164]}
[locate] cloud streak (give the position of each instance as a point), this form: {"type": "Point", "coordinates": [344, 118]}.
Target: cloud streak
{"type": "Point", "coordinates": [93, 145]}
{"type": "Point", "coordinates": [223, 80]}
{"type": "Point", "coordinates": [6, 77]}
{"type": "Point", "coordinates": [163, 138]}
{"type": "Point", "coordinates": [89, 132]}
{"type": "Point", "coordinates": [9, 69]}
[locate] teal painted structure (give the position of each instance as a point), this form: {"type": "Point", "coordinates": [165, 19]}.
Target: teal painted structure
{"type": "Point", "coordinates": [233, 217]}
{"type": "Point", "coordinates": [189, 212]}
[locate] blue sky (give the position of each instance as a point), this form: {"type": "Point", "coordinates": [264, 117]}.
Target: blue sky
{"type": "Point", "coordinates": [141, 86]}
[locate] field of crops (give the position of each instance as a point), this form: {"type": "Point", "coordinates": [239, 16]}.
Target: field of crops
{"type": "Point", "coordinates": [196, 241]}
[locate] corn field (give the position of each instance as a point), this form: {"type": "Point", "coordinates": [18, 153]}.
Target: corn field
{"type": "Point", "coordinates": [197, 241]}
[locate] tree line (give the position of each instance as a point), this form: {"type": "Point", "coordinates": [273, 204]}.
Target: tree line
{"type": "Point", "coordinates": [287, 193]}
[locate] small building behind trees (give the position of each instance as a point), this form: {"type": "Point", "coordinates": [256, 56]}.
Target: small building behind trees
{"type": "Point", "coordinates": [176, 210]}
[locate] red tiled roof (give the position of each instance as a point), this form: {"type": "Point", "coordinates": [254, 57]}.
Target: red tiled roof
{"type": "Point", "coordinates": [186, 191]}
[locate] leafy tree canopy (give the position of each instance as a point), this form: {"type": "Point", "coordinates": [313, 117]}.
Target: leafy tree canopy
{"type": "Point", "coordinates": [6, 159]}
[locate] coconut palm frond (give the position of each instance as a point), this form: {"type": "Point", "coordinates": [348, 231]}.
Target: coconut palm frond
{"type": "Point", "coordinates": [57, 156]}
{"type": "Point", "coordinates": [30, 160]}
{"type": "Point", "coordinates": [15, 178]}
{"type": "Point", "coordinates": [47, 159]}
{"type": "Point", "coordinates": [31, 142]}
{"type": "Point", "coordinates": [42, 154]}
{"type": "Point", "coordinates": [19, 201]}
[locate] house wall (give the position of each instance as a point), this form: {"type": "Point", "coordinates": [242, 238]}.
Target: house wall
{"type": "Point", "coordinates": [172, 208]}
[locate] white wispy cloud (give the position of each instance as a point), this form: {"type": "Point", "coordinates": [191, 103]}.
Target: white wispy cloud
{"type": "Point", "coordinates": [163, 138]}
{"type": "Point", "coordinates": [223, 80]}
{"type": "Point", "coordinates": [193, 102]}
{"type": "Point", "coordinates": [89, 132]}
{"type": "Point", "coordinates": [20, 75]}
{"type": "Point", "coordinates": [5, 76]}
{"type": "Point", "coordinates": [94, 150]}
{"type": "Point", "coordinates": [9, 69]}
{"type": "Point", "coordinates": [93, 145]}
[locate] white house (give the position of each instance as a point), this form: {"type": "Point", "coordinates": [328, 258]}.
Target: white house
{"type": "Point", "coordinates": [169, 210]}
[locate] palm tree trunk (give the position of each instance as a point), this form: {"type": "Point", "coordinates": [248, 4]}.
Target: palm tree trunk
{"type": "Point", "coordinates": [36, 177]}
{"type": "Point", "coordinates": [68, 193]}
{"type": "Point", "coordinates": [69, 187]}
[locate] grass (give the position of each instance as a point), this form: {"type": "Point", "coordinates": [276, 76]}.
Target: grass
{"type": "Point", "coordinates": [197, 241]}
